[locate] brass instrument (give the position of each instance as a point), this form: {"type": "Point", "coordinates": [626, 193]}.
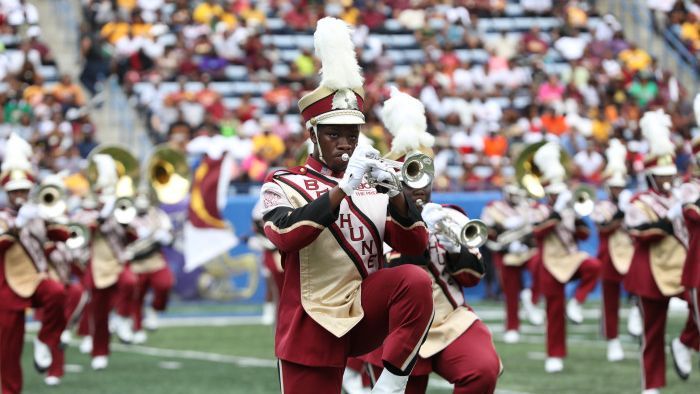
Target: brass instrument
{"type": "Point", "coordinates": [124, 210]}
{"type": "Point", "coordinates": [169, 174]}
{"type": "Point", "coordinates": [583, 200]}
{"type": "Point", "coordinates": [51, 201]}
{"type": "Point", "coordinates": [509, 236]}
{"type": "Point", "coordinates": [470, 233]}
{"type": "Point", "coordinates": [79, 236]}
{"type": "Point", "coordinates": [128, 170]}
{"type": "Point", "coordinates": [417, 171]}
{"type": "Point", "coordinates": [527, 173]}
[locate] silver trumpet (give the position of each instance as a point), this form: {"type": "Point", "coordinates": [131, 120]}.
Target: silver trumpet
{"type": "Point", "coordinates": [79, 236]}
{"type": "Point", "coordinates": [51, 201]}
{"type": "Point", "coordinates": [124, 210]}
{"type": "Point", "coordinates": [417, 171]}
{"type": "Point", "coordinates": [470, 233]}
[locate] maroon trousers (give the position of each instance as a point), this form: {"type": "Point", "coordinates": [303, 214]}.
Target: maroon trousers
{"type": "Point", "coordinates": [470, 363]}
{"type": "Point", "coordinates": [74, 293]}
{"type": "Point", "coordinates": [654, 312]}
{"type": "Point", "coordinates": [51, 297]}
{"type": "Point", "coordinates": [160, 282]}
{"type": "Point", "coordinates": [120, 295]}
{"type": "Point", "coordinates": [398, 308]}
{"type": "Point", "coordinates": [611, 307]}
{"type": "Point", "coordinates": [512, 284]}
{"type": "Point", "coordinates": [588, 273]}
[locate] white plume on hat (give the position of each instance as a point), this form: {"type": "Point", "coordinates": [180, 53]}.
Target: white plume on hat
{"type": "Point", "coordinates": [656, 129]}
{"type": "Point", "coordinates": [17, 154]}
{"type": "Point", "coordinates": [404, 117]}
{"type": "Point", "coordinates": [548, 161]}
{"type": "Point", "coordinates": [107, 176]}
{"type": "Point", "coordinates": [334, 46]}
{"type": "Point", "coordinates": [616, 169]}
{"type": "Point", "coordinates": [696, 109]}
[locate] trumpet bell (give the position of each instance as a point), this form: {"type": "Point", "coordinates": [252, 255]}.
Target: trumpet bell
{"type": "Point", "coordinates": [169, 175]}
{"type": "Point", "coordinates": [584, 198]}
{"type": "Point", "coordinates": [124, 210]}
{"type": "Point", "coordinates": [79, 236]}
{"type": "Point", "coordinates": [51, 202]}
{"type": "Point", "coordinates": [418, 170]}
{"type": "Point", "coordinates": [474, 234]}
{"type": "Point", "coordinates": [128, 169]}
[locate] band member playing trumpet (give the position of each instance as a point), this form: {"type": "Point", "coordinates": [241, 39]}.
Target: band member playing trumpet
{"type": "Point", "coordinates": [154, 230]}
{"type": "Point", "coordinates": [459, 346]}
{"type": "Point", "coordinates": [557, 234]}
{"type": "Point", "coordinates": [512, 215]}
{"type": "Point", "coordinates": [24, 281]}
{"type": "Point", "coordinates": [615, 245]}
{"type": "Point", "coordinates": [660, 242]}
{"type": "Point", "coordinates": [108, 276]}
{"type": "Point", "coordinates": [330, 225]}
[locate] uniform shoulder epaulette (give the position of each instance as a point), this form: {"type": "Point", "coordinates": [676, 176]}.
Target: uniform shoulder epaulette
{"type": "Point", "coordinates": [282, 172]}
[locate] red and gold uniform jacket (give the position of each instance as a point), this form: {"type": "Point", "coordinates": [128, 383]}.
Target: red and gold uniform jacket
{"type": "Point", "coordinates": [615, 247]}
{"type": "Point", "coordinates": [325, 256]}
{"type": "Point", "coordinates": [498, 216]}
{"type": "Point", "coordinates": [108, 252]}
{"type": "Point", "coordinates": [690, 196]}
{"type": "Point", "coordinates": [660, 245]}
{"type": "Point", "coordinates": [557, 236]}
{"type": "Point", "coordinates": [146, 251]}
{"type": "Point", "coordinates": [24, 258]}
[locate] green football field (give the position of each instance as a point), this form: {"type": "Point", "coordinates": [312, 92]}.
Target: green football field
{"type": "Point", "coordinates": [229, 355]}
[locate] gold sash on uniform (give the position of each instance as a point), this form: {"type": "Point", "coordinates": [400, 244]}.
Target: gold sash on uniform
{"type": "Point", "coordinates": [621, 250]}
{"type": "Point", "coordinates": [20, 272]}
{"type": "Point", "coordinates": [559, 261]}
{"type": "Point", "coordinates": [330, 283]}
{"type": "Point", "coordinates": [105, 265]}
{"type": "Point", "coordinates": [152, 263]}
{"type": "Point", "coordinates": [517, 259]}
{"type": "Point", "coordinates": [667, 258]}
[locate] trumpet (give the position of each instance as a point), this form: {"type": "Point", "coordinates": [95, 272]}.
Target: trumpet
{"type": "Point", "coordinates": [584, 200]}
{"type": "Point", "coordinates": [50, 199]}
{"type": "Point", "coordinates": [79, 236]}
{"type": "Point", "coordinates": [124, 210]}
{"type": "Point", "coordinates": [470, 233]}
{"type": "Point", "coordinates": [417, 171]}
{"type": "Point", "coordinates": [507, 237]}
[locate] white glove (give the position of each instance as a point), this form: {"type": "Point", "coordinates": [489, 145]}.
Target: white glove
{"type": "Point", "coordinates": [358, 166]}
{"type": "Point", "coordinates": [433, 214]}
{"type": "Point", "coordinates": [676, 211]}
{"type": "Point", "coordinates": [108, 206]}
{"type": "Point", "coordinates": [448, 244]}
{"type": "Point", "coordinates": [383, 175]}
{"type": "Point", "coordinates": [26, 213]}
{"type": "Point", "coordinates": [513, 222]}
{"type": "Point", "coordinates": [562, 201]}
{"type": "Point", "coordinates": [517, 247]}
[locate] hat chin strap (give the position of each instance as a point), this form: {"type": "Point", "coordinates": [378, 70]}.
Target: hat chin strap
{"type": "Point", "coordinates": [318, 146]}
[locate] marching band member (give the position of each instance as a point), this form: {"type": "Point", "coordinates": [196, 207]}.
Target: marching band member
{"type": "Point", "coordinates": [459, 346]}
{"type": "Point", "coordinates": [660, 242]}
{"type": "Point", "coordinates": [24, 281]}
{"type": "Point", "coordinates": [330, 225]}
{"type": "Point", "coordinates": [557, 235]}
{"type": "Point", "coordinates": [154, 230]}
{"type": "Point", "coordinates": [272, 265]}
{"type": "Point", "coordinates": [108, 276]}
{"type": "Point", "coordinates": [513, 213]}
{"type": "Point", "coordinates": [615, 245]}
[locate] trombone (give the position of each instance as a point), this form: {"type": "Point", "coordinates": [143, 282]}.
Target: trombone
{"type": "Point", "coordinates": [470, 233]}
{"type": "Point", "coordinates": [417, 171]}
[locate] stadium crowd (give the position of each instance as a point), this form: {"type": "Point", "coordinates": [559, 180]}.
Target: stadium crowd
{"type": "Point", "coordinates": [45, 108]}
{"type": "Point", "coordinates": [682, 17]}
{"type": "Point", "coordinates": [493, 76]}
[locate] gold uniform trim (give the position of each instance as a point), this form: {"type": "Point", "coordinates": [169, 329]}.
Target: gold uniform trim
{"type": "Point", "coordinates": [105, 265]}
{"type": "Point", "coordinates": [20, 272]}
{"type": "Point", "coordinates": [559, 261]}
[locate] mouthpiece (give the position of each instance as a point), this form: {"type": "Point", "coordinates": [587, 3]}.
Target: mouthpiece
{"type": "Point", "coordinates": [345, 157]}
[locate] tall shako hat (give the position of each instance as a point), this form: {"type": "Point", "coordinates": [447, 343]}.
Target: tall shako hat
{"type": "Point", "coordinates": [404, 117]}
{"type": "Point", "coordinates": [548, 161]}
{"type": "Point", "coordinates": [656, 129]}
{"type": "Point", "coordinates": [340, 97]}
{"type": "Point", "coordinates": [16, 168]}
{"type": "Point", "coordinates": [615, 173]}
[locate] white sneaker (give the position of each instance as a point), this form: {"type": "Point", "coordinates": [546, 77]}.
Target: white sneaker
{"type": "Point", "coordinates": [352, 382]}
{"type": "Point", "coordinates": [615, 352]}
{"type": "Point", "coordinates": [635, 326]}
{"type": "Point", "coordinates": [574, 311]}
{"type": "Point", "coordinates": [681, 355]}
{"type": "Point", "coordinates": [150, 319]}
{"type": "Point", "coordinates": [553, 365]}
{"type": "Point", "coordinates": [140, 337]}
{"type": "Point", "coordinates": [268, 313]}
{"type": "Point", "coordinates": [533, 314]}
{"type": "Point", "coordinates": [42, 355]}
{"type": "Point", "coordinates": [388, 383]}
{"type": "Point", "coordinates": [52, 380]}
{"type": "Point", "coordinates": [66, 337]}
{"type": "Point", "coordinates": [651, 391]}
{"type": "Point", "coordinates": [124, 330]}
{"type": "Point", "coordinates": [86, 345]}
{"type": "Point", "coordinates": [99, 362]}
{"type": "Point", "coordinates": [511, 336]}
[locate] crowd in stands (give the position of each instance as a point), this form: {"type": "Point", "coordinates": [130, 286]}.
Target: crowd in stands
{"type": "Point", "coordinates": [493, 75]}
{"type": "Point", "coordinates": [43, 107]}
